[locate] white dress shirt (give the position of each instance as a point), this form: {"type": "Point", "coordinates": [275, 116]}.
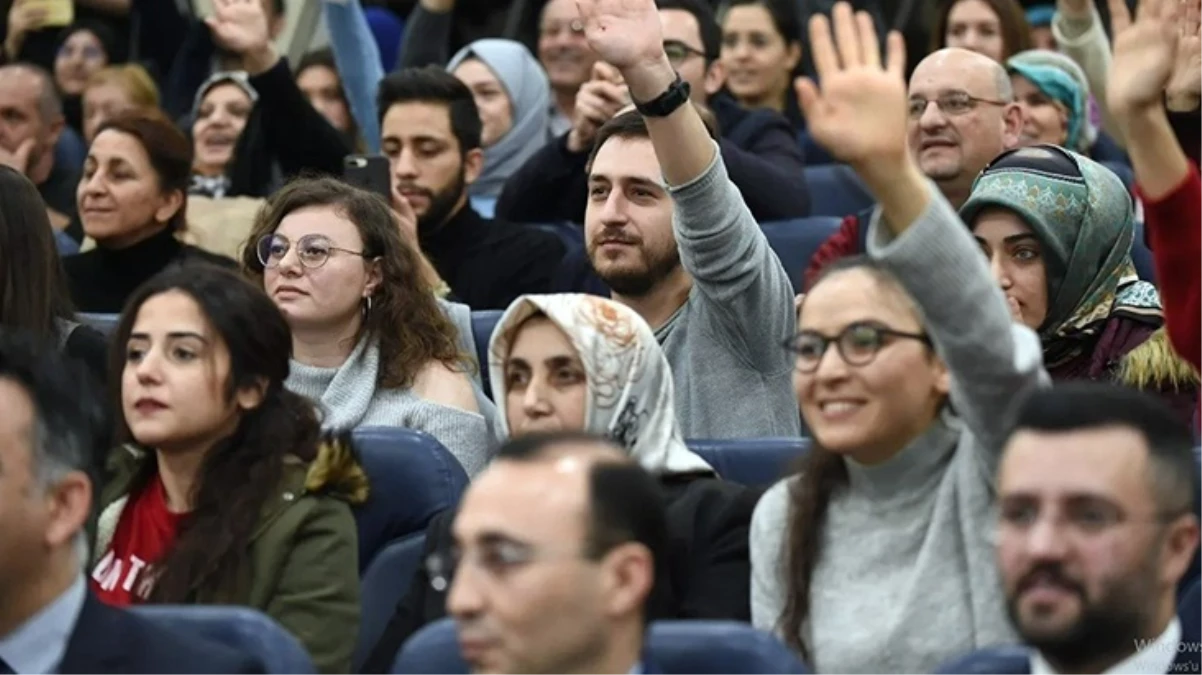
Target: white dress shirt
{"type": "Point", "coordinates": [37, 646]}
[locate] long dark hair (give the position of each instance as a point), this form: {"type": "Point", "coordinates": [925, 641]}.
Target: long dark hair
{"type": "Point", "coordinates": [241, 471]}
{"type": "Point", "coordinates": [1016, 32]}
{"type": "Point", "coordinates": [821, 476]}
{"type": "Point", "coordinates": [33, 287]}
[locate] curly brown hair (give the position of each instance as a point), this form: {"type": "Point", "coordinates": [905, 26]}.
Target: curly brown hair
{"type": "Point", "coordinates": [405, 318]}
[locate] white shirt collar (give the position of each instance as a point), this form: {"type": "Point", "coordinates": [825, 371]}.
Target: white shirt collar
{"type": "Point", "coordinates": [1153, 657]}
{"type": "Point", "coordinates": [37, 646]}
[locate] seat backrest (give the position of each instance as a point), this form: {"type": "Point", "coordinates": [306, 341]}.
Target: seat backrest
{"type": "Point", "coordinates": [672, 646]}
{"type": "Point", "coordinates": [383, 586]}
{"type": "Point", "coordinates": [411, 476]}
{"type": "Point", "coordinates": [796, 241]}
{"type": "Point", "coordinates": [483, 323]}
{"type": "Point", "coordinates": [242, 628]}
{"type": "Point", "coordinates": [751, 461]}
{"type": "Point", "coordinates": [571, 234]}
{"type": "Point", "coordinates": [105, 323]}
{"type": "Point", "coordinates": [836, 191]}
{"type": "Point", "coordinates": [1001, 660]}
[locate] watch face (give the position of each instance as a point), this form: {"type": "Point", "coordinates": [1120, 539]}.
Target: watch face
{"type": "Point", "coordinates": [666, 103]}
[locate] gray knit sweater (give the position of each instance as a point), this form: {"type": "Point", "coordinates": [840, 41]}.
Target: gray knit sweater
{"type": "Point", "coordinates": [907, 576]}
{"type": "Point", "coordinates": [348, 398]}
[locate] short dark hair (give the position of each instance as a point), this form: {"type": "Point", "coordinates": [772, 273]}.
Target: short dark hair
{"type": "Point", "coordinates": [707, 23]}
{"type": "Point", "coordinates": [626, 503]}
{"type": "Point", "coordinates": [1075, 406]}
{"type": "Point", "coordinates": [630, 124]}
{"type": "Point", "coordinates": [433, 84]}
{"type": "Point", "coordinates": [785, 18]}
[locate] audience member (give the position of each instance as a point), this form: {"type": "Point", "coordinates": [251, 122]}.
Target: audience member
{"type": "Point", "coordinates": [52, 425]}
{"type": "Point", "coordinates": [1064, 264]}
{"type": "Point", "coordinates": [31, 124]}
{"type": "Point", "coordinates": [962, 115]}
{"type": "Point", "coordinates": [994, 28]}
{"type": "Point", "coordinates": [876, 556]}
{"type": "Point", "coordinates": [759, 147]}
{"type": "Point", "coordinates": [1096, 526]}
{"type": "Point", "coordinates": [761, 48]}
{"type": "Point", "coordinates": [431, 133]}
{"type": "Point", "coordinates": [570, 363]}
{"type": "Point", "coordinates": [84, 48]}
{"type": "Point", "coordinates": [576, 501]}
{"type": "Point", "coordinates": [223, 491]}
{"type": "Point", "coordinates": [223, 108]}
{"type": "Point", "coordinates": [1039, 18]}
{"type": "Point", "coordinates": [114, 90]}
{"type": "Point", "coordinates": [1054, 97]}
{"type": "Point", "coordinates": [33, 291]}
{"type": "Point", "coordinates": [370, 343]}
{"type": "Point", "coordinates": [132, 204]}
{"type": "Point", "coordinates": [318, 79]}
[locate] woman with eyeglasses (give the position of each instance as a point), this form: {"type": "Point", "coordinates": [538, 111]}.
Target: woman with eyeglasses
{"type": "Point", "coordinates": [1064, 263]}
{"type": "Point", "coordinates": [876, 556]}
{"type": "Point", "coordinates": [370, 343]}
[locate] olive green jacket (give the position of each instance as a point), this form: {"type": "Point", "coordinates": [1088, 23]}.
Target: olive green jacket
{"type": "Point", "coordinates": [303, 562]}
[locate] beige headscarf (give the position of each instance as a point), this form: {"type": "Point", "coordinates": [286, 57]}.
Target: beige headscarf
{"type": "Point", "coordinates": [630, 394]}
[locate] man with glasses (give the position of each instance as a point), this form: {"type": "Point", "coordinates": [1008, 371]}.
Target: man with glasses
{"type": "Point", "coordinates": [1097, 525]}
{"type": "Point", "coordinates": [759, 147]}
{"type": "Point", "coordinates": [962, 114]}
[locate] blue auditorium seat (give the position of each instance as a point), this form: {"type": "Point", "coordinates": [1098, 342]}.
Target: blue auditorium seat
{"type": "Point", "coordinates": [699, 647]}
{"type": "Point", "coordinates": [836, 191]}
{"type": "Point", "coordinates": [383, 586]}
{"type": "Point", "coordinates": [412, 478]}
{"type": "Point", "coordinates": [795, 241]}
{"type": "Point", "coordinates": [241, 628]}
{"type": "Point", "coordinates": [105, 323]}
{"type": "Point", "coordinates": [483, 323]}
{"type": "Point", "coordinates": [571, 234]}
{"type": "Point", "coordinates": [1000, 660]}
{"type": "Point", "coordinates": [751, 461]}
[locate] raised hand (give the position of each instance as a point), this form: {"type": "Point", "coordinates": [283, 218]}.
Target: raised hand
{"type": "Point", "coordinates": [1185, 86]}
{"type": "Point", "coordinates": [624, 33]}
{"type": "Point", "coordinates": [19, 157]}
{"type": "Point", "coordinates": [597, 101]}
{"type": "Point", "coordinates": [240, 25]}
{"type": "Point", "coordinates": [1144, 52]}
{"type": "Point", "coordinates": [859, 114]}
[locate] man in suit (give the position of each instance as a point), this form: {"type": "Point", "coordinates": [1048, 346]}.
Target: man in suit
{"type": "Point", "coordinates": [1097, 526]}
{"type": "Point", "coordinates": [555, 552]}
{"type": "Point", "coordinates": [50, 421]}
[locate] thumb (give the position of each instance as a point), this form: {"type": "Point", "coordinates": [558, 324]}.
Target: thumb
{"type": "Point", "coordinates": [1015, 312]}
{"type": "Point", "coordinates": [24, 150]}
{"type": "Point", "coordinates": [807, 95]}
{"type": "Point", "coordinates": [212, 22]}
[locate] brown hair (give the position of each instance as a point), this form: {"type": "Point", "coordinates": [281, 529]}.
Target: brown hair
{"type": "Point", "coordinates": [169, 151]}
{"type": "Point", "coordinates": [133, 80]}
{"type": "Point", "coordinates": [1016, 32]}
{"type": "Point", "coordinates": [33, 288]}
{"type": "Point", "coordinates": [405, 317]}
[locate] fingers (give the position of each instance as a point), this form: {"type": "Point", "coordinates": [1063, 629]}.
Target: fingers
{"type": "Point", "coordinates": [847, 39]}
{"type": "Point", "coordinates": [822, 47]}
{"type": "Point", "coordinates": [1120, 17]}
{"type": "Point", "coordinates": [869, 48]}
{"type": "Point", "coordinates": [895, 59]}
{"type": "Point", "coordinates": [606, 73]}
{"type": "Point", "coordinates": [807, 96]}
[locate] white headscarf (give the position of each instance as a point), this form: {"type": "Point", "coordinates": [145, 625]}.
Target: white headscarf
{"type": "Point", "coordinates": [630, 393]}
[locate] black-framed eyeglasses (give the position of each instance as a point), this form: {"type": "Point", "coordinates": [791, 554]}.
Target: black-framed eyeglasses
{"type": "Point", "coordinates": [858, 344]}
{"type": "Point", "coordinates": [952, 103]}
{"type": "Point", "coordinates": [678, 52]}
{"type": "Point", "coordinates": [313, 250]}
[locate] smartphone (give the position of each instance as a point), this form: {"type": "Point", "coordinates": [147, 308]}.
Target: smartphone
{"type": "Point", "coordinates": [369, 172]}
{"type": "Point", "coordinates": [59, 13]}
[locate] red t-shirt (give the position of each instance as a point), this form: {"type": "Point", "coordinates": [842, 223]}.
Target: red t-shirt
{"type": "Point", "coordinates": [145, 532]}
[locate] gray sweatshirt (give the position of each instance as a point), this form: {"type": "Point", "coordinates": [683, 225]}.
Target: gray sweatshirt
{"type": "Point", "coordinates": [732, 375]}
{"type": "Point", "coordinates": [907, 576]}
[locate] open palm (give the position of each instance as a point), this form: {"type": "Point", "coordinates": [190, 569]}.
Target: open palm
{"type": "Point", "coordinates": [239, 25]}
{"type": "Point", "coordinates": [859, 113]}
{"type": "Point", "coordinates": [1186, 80]}
{"type": "Point", "coordinates": [624, 33]}
{"type": "Point", "coordinates": [1144, 51]}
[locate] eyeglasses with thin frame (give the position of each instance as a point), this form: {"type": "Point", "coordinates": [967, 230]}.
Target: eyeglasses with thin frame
{"type": "Point", "coordinates": [1076, 522]}
{"type": "Point", "coordinates": [494, 560]}
{"type": "Point", "coordinates": [952, 103]}
{"type": "Point", "coordinates": [858, 344]}
{"type": "Point", "coordinates": [678, 52]}
{"type": "Point", "coordinates": [313, 250]}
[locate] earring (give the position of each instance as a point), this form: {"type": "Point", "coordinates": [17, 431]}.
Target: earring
{"type": "Point", "coordinates": [369, 304]}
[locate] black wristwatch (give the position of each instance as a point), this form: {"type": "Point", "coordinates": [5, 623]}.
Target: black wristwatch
{"type": "Point", "coordinates": [666, 103]}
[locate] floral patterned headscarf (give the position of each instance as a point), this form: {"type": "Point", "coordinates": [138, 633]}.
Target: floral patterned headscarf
{"type": "Point", "coordinates": [630, 392]}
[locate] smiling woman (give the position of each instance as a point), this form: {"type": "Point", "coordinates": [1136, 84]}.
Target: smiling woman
{"type": "Point", "coordinates": [222, 109]}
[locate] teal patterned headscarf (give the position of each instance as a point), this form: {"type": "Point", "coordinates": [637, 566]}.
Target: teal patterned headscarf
{"type": "Point", "coordinates": [1084, 218]}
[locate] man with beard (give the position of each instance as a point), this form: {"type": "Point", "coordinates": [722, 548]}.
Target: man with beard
{"type": "Point", "coordinates": [430, 131]}
{"type": "Point", "coordinates": [962, 115]}
{"type": "Point", "coordinates": [1097, 526]}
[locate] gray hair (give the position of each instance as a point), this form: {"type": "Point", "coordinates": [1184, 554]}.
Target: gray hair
{"type": "Point", "coordinates": [50, 105]}
{"type": "Point", "coordinates": [1001, 82]}
{"type": "Point", "coordinates": [55, 453]}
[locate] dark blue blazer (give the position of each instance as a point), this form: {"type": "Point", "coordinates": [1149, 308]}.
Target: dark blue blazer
{"type": "Point", "coordinates": [111, 640]}
{"type": "Point", "coordinates": [1016, 660]}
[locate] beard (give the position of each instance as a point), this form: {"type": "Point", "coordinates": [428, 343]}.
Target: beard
{"type": "Point", "coordinates": [442, 203]}
{"type": "Point", "coordinates": [639, 279]}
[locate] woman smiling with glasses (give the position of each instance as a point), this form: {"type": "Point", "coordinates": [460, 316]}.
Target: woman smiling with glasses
{"type": "Point", "coordinates": [370, 343]}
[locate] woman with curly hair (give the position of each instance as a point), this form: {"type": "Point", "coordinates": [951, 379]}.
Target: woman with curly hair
{"type": "Point", "coordinates": [223, 490]}
{"type": "Point", "coordinates": [370, 342]}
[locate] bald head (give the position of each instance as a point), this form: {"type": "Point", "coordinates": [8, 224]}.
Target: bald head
{"type": "Point", "coordinates": [986, 77]}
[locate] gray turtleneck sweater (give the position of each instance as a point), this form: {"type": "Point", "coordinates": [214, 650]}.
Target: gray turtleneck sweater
{"type": "Point", "coordinates": [349, 398]}
{"type": "Point", "coordinates": [907, 577]}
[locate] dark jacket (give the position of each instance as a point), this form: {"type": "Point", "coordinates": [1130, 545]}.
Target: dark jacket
{"type": "Point", "coordinates": [489, 263]}
{"type": "Point", "coordinates": [708, 571]}
{"type": "Point", "coordinates": [110, 640]}
{"type": "Point", "coordinates": [302, 565]}
{"type": "Point", "coordinates": [760, 150]}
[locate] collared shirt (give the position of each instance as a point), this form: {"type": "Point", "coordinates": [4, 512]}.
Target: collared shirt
{"type": "Point", "coordinates": [37, 646]}
{"type": "Point", "coordinates": [1154, 657]}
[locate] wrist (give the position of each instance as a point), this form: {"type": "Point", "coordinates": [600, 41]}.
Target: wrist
{"type": "Point", "coordinates": [647, 80]}
{"type": "Point", "coordinates": [575, 142]}
{"type": "Point", "coordinates": [260, 60]}
{"type": "Point", "coordinates": [881, 171]}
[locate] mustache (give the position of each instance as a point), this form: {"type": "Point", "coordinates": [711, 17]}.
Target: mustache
{"type": "Point", "coordinates": [1049, 573]}
{"type": "Point", "coordinates": [410, 187]}
{"type": "Point", "coordinates": [616, 237]}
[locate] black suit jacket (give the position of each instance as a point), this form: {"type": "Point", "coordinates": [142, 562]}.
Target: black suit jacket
{"type": "Point", "coordinates": [111, 640]}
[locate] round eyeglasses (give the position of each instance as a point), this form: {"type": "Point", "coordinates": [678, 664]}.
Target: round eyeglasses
{"type": "Point", "coordinates": [858, 344]}
{"type": "Point", "coordinates": [313, 250]}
